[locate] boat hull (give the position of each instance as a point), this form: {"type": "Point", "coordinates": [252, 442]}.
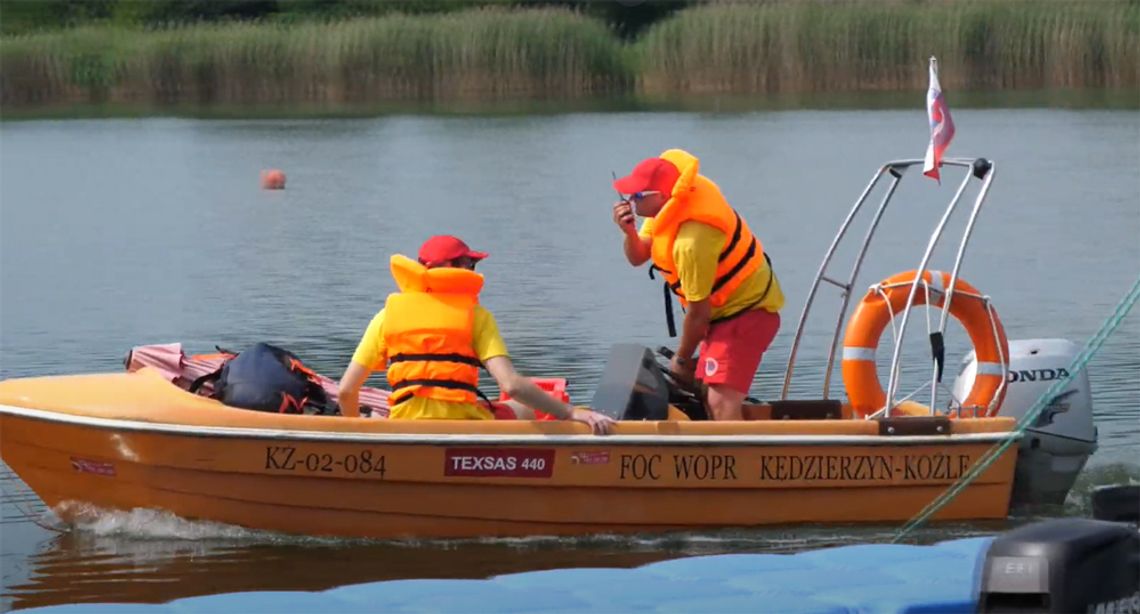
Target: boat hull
{"type": "Point", "coordinates": [396, 479]}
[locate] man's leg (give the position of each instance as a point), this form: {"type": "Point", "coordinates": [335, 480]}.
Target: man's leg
{"type": "Point", "coordinates": [724, 402]}
{"type": "Point", "coordinates": [730, 356]}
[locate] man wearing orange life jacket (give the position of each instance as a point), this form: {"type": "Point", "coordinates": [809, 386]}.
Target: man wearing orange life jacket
{"type": "Point", "coordinates": [432, 336]}
{"type": "Point", "coordinates": [710, 259]}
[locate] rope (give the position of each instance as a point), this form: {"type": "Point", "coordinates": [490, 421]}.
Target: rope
{"type": "Point", "coordinates": [993, 454]}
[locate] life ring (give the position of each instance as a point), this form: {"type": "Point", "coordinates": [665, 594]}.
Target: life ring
{"type": "Point", "coordinates": [888, 299]}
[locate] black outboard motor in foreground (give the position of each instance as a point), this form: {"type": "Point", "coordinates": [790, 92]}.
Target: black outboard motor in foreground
{"type": "Point", "coordinates": [1070, 565]}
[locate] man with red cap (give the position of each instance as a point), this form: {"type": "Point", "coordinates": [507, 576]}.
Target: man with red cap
{"type": "Point", "coordinates": [433, 335]}
{"type": "Point", "coordinates": [712, 262]}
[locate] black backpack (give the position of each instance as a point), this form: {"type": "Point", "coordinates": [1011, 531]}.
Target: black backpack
{"type": "Point", "coordinates": [268, 378]}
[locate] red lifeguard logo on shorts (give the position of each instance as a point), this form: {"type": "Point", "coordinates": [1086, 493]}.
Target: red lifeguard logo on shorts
{"type": "Point", "coordinates": [710, 367]}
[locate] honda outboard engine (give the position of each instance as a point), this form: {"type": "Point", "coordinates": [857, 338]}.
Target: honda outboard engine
{"type": "Point", "coordinates": [1063, 437]}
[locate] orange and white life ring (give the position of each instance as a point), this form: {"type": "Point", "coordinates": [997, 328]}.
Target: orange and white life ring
{"type": "Point", "coordinates": [888, 299]}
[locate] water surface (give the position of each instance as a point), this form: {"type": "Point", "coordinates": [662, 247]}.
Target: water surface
{"type": "Point", "coordinates": [115, 233]}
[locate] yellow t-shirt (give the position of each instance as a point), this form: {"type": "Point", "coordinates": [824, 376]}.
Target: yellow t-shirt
{"type": "Point", "coordinates": [695, 253]}
{"type": "Point", "coordinates": [372, 354]}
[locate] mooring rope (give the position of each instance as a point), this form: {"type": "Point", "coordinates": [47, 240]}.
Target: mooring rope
{"type": "Point", "coordinates": [993, 454]}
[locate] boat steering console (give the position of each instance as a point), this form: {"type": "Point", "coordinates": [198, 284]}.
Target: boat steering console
{"type": "Point", "coordinates": [636, 386]}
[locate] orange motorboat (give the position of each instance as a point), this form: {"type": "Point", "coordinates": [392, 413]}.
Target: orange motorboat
{"type": "Point", "coordinates": [130, 440]}
{"type": "Point", "coordinates": [139, 440]}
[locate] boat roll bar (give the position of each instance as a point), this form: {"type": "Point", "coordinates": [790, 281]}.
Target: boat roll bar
{"type": "Point", "coordinates": [981, 169]}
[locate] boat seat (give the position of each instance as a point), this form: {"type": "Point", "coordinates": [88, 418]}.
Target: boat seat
{"type": "Point", "coordinates": [807, 409]}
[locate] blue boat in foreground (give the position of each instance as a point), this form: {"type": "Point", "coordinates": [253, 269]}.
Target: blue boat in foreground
{"type": "Point", "coordinates": [1062, 565]}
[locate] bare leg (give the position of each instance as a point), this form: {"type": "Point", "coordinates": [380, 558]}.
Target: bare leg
{"type": "Point", "coordinates": [725, 402]}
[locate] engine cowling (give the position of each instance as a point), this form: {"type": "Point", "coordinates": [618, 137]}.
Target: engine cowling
{"type": "Point", "coordinates": [1061, 439]}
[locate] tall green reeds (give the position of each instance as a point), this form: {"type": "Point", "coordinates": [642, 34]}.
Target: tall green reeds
{"type": "Point", "coordinates": [475, 55]}
{"type": "Point", "coordinates": [733, 47]}
{"type": "Point", "coordinates": [492, 55]}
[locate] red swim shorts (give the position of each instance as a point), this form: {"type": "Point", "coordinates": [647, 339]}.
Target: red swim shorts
{"type": "Point", "coordinates": [731, 351]}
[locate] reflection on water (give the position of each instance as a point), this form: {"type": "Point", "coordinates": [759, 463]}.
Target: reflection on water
{"type": "Point", "coordinates": [104, 560]}
{"type": "Point", "coordinates": [154, 557]}
{"type": "Point", "coordinates": [83, 566]}
{"type": "Point", "coordinates": [119, 233]}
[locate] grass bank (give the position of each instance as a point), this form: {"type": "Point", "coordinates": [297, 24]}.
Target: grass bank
{"type": "Point", "coordinates": [477, 55]}
{"type": "Point", "coordinates": [505, 55]}
{"type": "Point", "coordinates": [867, 46]}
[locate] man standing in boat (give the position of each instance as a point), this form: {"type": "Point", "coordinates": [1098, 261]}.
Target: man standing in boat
{"type": "Point", "coordinates": [710, 259]}
{"type": "Point", "coordinates": [433, 335]}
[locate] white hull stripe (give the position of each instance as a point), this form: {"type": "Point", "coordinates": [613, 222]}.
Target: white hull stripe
{"type": "Point", "coordinates": [480, 438]}
{"type": "Point", "coordinates": [990, 368]}
{"type": "Point", "coordinates": [858, 353]}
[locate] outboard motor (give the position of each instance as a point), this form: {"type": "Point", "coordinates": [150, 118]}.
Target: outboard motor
{"type": "Point", "coordinates": [1063, 437]}
{"type": "Point", "coordinates": [1063, 565]}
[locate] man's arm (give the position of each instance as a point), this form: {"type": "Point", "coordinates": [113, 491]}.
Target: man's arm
{"type": "Point", "coordinates": [526, 392]}
{"type": "Point", "coordinates": [523, 390]}
{"type": "Point", "coordinates": [370, 351]}
{"type": "Point", "coordinates": [348, 396]}
{"type": "Point", "coordinates": [694, 329]}
{"type": "Point", "coordinates": [637, 247]}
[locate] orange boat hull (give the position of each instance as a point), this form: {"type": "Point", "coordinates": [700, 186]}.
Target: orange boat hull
{"type": "Point", "coordinates": [128, 441]}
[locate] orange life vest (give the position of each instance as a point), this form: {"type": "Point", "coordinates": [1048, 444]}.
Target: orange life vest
{"type": "Point", "coordinates": [428, 330]}
{"type": "Point", "coordinates": [695, 198]}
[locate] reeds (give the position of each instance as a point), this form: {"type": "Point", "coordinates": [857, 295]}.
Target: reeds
{"type": "Point", "coordinates": [776, 47]}
{"type": "Point", "coordinates": [492, 55]}
{"type": "Point", "coordinates": [487, 54]}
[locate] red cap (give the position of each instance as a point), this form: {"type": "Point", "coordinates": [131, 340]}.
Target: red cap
{"type": "Point", "coordinates": [445, 248]}
{"type": "Point", "coordinates": [650, 174]}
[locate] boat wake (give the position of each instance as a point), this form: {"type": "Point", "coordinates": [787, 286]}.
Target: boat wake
{"type": "Point", "coordinates": [158, 525]}
{"type": "Point", "coordinates": [149, 524]}
{"type": "Point", "coordinates": [1077, 503]}
{"type": "Point", "coordinates": [96, 525]}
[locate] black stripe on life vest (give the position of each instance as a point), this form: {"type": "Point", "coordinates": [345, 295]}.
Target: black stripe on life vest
{"type": "Point", "coordinates": [757, 303]}
{"type": "Point", "coordinates": [724, 279]}
{"type": "Point", "coordinates": [735, 238]}
{"type": "Point", "coordinates": [396, 399]}
{"type": "Point", "coordinates": [460, 358]}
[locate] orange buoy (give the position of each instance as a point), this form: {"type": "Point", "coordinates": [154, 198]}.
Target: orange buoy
{"type": "Point", "coordinates": [272, 179]}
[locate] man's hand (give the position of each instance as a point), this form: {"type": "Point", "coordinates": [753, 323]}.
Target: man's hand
{"type": "Point", "coordinates": [683, 369]}
{"type": "Point", "coordinates": [624, 218]}
{"type": "Point", "coordinates": [637, 248]}
{"type": "Point", "coordinates": [601, 424]}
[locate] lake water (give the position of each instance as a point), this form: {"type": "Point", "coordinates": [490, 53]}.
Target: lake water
{"type": "Point", "coordinates": [116, 233]}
